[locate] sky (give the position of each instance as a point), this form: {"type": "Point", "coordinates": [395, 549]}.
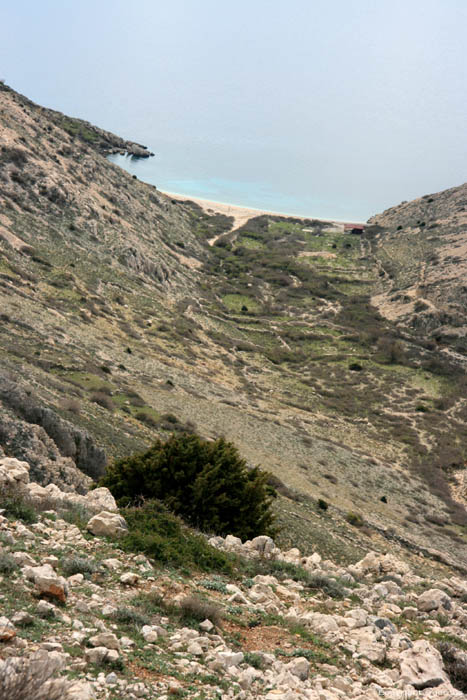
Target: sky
{"type": "Point", "coordinates": [341, 108]}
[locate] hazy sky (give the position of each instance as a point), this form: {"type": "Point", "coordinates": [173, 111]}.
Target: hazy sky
{"type": "Point", "coordinates": [348, 106]}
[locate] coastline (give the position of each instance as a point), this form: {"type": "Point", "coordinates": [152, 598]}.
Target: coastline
{"type": "Point", "coordinates": [242, 214]}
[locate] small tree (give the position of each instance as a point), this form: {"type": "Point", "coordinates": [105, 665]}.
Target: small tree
{"type": "Point", "coordinates": [206, 483]}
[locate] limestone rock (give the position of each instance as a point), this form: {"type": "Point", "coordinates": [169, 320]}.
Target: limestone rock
{"type": "Point", "coordinates": [299, 667]}
{"type": "Point", "coordinates": [7, 630]}
{"type": "Point", "coordinates": [105, 639]}
{"type": "Point", "coordinates": [422, 666]}
{"type": "Point", "coordinates": [47, 582]}
{"type": "Point", "coordinates": [434, 599]}
{"type": "Point", "coordinates": [206, 626]}
{"type": "Point", "coordinates": [81, 690]}
{"type": "Point", "coordinates": [101, 500]}
{"type": "Point", "coordinates": [107, 524]}
{"type": "Point", "coordinates": [230, 658]}
{"type": "Point", "coordinates": [149, 634]}
{"type": "Point", "coordinates": [14, 474]}
{"type": "Point", "coordinates": [263, 544]}
{"type": "Point", "coordinates": [101, 655]}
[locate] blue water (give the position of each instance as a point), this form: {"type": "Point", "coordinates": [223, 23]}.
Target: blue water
{"type": "Point", "coordinates": [329, 109]}
{"type": "Point", "coordinates": [256, 194]}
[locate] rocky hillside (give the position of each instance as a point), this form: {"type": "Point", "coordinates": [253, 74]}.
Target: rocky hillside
{"type": "Point", "coordinates": [82, 619]}
{"type": "Point", "coordinates": [126, 315]}
{"type": "Point", "coordinates": [422, 250]}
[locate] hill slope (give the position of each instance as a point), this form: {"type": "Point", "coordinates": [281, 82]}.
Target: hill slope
{"type": "Point", "coordinates": [120, 321]}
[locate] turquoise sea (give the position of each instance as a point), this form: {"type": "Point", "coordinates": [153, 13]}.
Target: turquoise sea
{"type": "Point", "coordinates": [197, 181]}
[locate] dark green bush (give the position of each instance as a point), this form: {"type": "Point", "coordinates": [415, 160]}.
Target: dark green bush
{"type": "Point", "coordinates": [207, 483]}
{"type": "Point", "coordinates": [163, 537]}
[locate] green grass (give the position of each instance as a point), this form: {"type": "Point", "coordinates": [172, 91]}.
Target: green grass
{"type": "Point", "coordinates": [235, 302]}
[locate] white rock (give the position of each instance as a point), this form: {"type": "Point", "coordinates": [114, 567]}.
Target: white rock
{"type": "Point", "coordinates": [195, 649]}
{"type": "Point", "coordinates": [422, 666]}
{"type": "Point", "coordinates": [299, 667]}
{"type": "Point", "coordinates": [112, 564]}
{"type": "Point", "coordinates": [149, 634]}
{"type": "Point", "coordinates": [206, 625]}
{"type": "Point", "coordinates": [101, 655]}
{"type": "Point", "coordinates": [45, 609]}
{"type": "Point", "coordinates": [81, 690]}
{"type": "Point", "coordinates": [47, 582]}
{"type": "Point", "coordinates": [101, 500]}
{"type": "Point", "coordinates": [111, 679]}
{"type": "Point", "coordinates": [239, 598]}
{"type": "Point", "coordinates": [263, 544]}
{"type": "Point", "coordinates": [108, 610]}
{"type": "Point", "coordinates": [230, 658]}
{"type": "Point", "coordinates": [434, 599]}
{"type": "Point", "coordinates": [105, 639]}
{"type": "Point", "coordinates": [129, 578]}
{"type": "Point", "coordinates": [13, 473]}
{"type": "Point", "coordinates": [107, 524]}
{"type": "Point", "coordinates": [7, 630]}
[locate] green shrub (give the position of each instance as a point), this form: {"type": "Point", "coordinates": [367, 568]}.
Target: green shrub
{"type": "Point", "coordinates": [196, 609]}
{"type": "Point", "coordinates": [18, 508]}
{"type": "Point", "coordinates": [7, 563]}
{"type": "Point", "coordinates": [355, 519]}
{"type": "Point", "coordinates": [254, 659]}
{"type": "Point", "coordinates": [130, 618]}
{"type": "Point", "coordinates": [214, 584]}
{"type": "Point", "coordinates": [322, 504]}
{"type": "Point", "coordinates": [165, 538]}
{"type": "Point", "coordinates": [80, 565]}
{"type": "Point", "coordinates": [206, 483]}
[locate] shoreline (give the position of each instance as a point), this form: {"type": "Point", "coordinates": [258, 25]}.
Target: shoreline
{"type": "Point", "coordinates": [242, 214]}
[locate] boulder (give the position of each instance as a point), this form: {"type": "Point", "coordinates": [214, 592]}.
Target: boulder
{"type": "Point", "coordinates": [101, 655]}
{"type": "Point", "coordinates": [14, 474]}
{"type": "Point", "coordinates": [105, 639]}
{"type": "Point", "coordinates": [422, 666]}
{"type": "Point", "coordinates": [299, 667]}
{"type": "Point", "coordinates": [81, 690]}
{"type": "Point", "coordinates": [263, 544]}
{"type": "Point", "coordinates": [206, 626]}
{"type": "Point", "coordinates": [230, 658]}
{"type": "Point", "coordinates": [7, 630]}
{"type": "Point", "coordinates": [375, 563]}
{"type": "Point", "coordinates": [47, 582]}
{"type": "Point", "coordinates": [369, 643]}
{"type": "Point", "coordinates": [107, 524]}
{"type": "Point", "coordinates": [100, 500]}
{"type": "Point", "coordinates": [149, 634]}
{"type": "Point", "coordinates": [434, 599]}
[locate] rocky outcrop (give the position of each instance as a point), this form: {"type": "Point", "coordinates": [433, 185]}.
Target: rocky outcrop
{"type": "Point", "coordinates": [68, 440]}
{"type": "Point", "coordinates": [107, 525]}
{"type": "Point", "coordinates": [361, 644]}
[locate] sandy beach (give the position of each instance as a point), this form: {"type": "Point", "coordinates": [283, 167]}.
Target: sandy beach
{"type": "Point", "coordinates": [242, 214]}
